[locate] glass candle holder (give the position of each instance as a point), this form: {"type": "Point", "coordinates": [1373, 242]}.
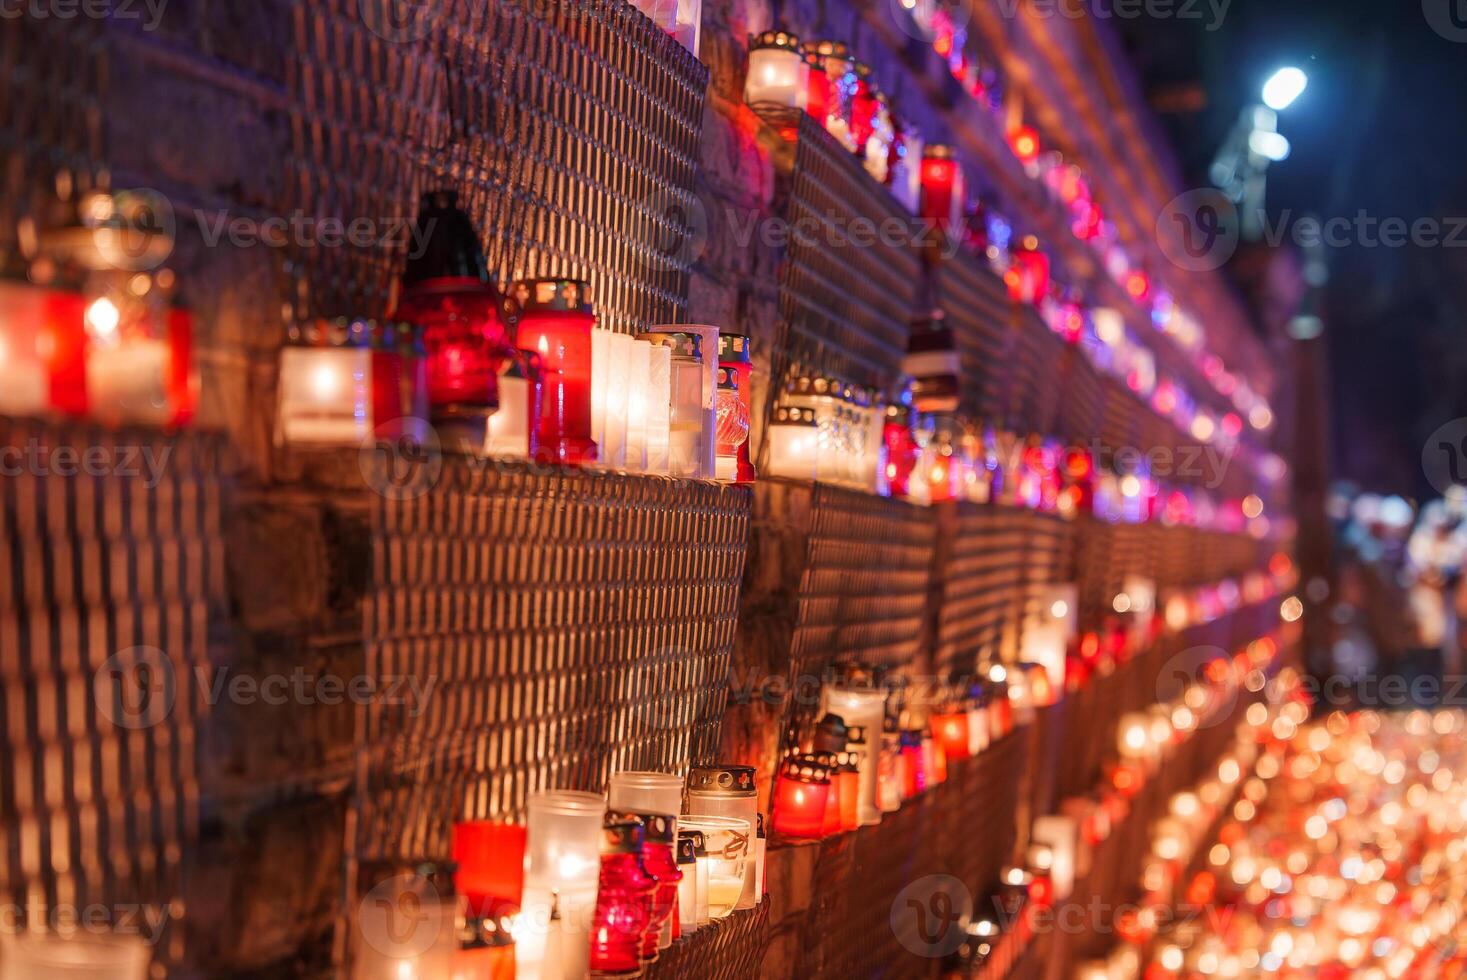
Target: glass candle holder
{"type": "Point", "coordinates": [85, 956]}
{"type": "Point", "coordinates": [863, 107]}
{"type": "Point", "coordinates": [726, 791]}
{"type": "Point", "coordinates": [489, 863]}
{"type": "Point", "coordinates": [836, 765]}
{"type": "Point", "coordinates": [794, 444]}
{"type": "Point", "coordinates": [978, 728]}
{"type": "Point", "coordinates": [708, 346]}
{"type": "Point", "coordinates": [646, 793]}
{"type": "Point", "coordinates": [623, 899]}
{"type": "Point", "coordinates": [393, 943]}
{"type": "Point", "coordinates": [913, 765]}
{"type": "Point", "coordinates": [856, 697]}
{"type": "Point", "coordinates": [555, 320]}
{"type": "Point", "coordinates": [619, 348]}
{"type": "Point", "coordinates": [25, 375]}
{"type": "Point", "coordinates": [889, 766]}
{"type": "Point", "coordinates": [899, 452]}
{"type": "Point", "coordinates": [733, 425]}
{"type": "Point", "coordinates": [562, 865]}
{"type": "Point", "coordinates": [638, 385]}
{"type": "Point", "coordinates": [399, 381]}
{"type": "Point", "coordinates": [777, 85]}
{"type": "Point", "coordinates": [801, 795]}
{"type": "Point", "coordinates": [942, 188]}
{"type": "Point", "coordinates": [685, 921]}
{"type": "Point", "coordinates": [447, 292]}
{"type": "Point", "coordinates": [659, 404]}
{"type": "Point", "coordinates": [761, 848]}
{"type": "Point", "coordinates": [728, 842]}
{"type": "Point", "coordinates": [512, 429]}
{"type": "Point", "coordinates": [830, 98]}
{"type": "Point", "coordinates": [325, 395]}
{"type": "Point", "coordinates": [1028, 275]}
{"type": "Point", "coordinates": [686, 417]}
{"type": "Point", "coordinates": [879, 144]}
{"type": "Point", "coordinates": [736, 354]}
{"type": "Point", "coordinates": [952, 734]}
{"type": "Point", "coordinates": [659, 858]}
{"type": "Point", "coordinates": [138, 353]}
{"type": "Point", "coordinates": [934, 364]}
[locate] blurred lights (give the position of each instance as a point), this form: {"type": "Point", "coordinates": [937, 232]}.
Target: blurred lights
{"type": "Point", "coordinates": [1286, 85]}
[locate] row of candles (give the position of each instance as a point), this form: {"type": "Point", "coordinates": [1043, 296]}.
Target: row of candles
{"type": "Point", "coordinates": [1340, 859]}
{"type": "Point", "coordinates": [786, 78]}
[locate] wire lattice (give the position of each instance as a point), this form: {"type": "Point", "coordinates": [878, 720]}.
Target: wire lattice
{"type": "Point", "coordinates": [847, 294]}
{"type": "Point", "coordinates": [110, 596]}
{"type": "Point", "coordinates": [982, 574]}
{"type": "Point", "coordinates": [574, 624]}
{"type": "Point", "coordinates": [731, 948]}
{"type": "Point", "coordinates": [980, 314]}
{"type": "Point", "coordinates": [570, 130]}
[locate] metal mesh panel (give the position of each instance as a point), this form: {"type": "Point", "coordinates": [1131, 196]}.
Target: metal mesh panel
{"type": "Point", "coordinates": [845, 306]}
{"type": "Point", "coordinates": [1082, 405]}
{"type": "Point", "coordinates": [573, 625]}
{"type": "Point", "coordinates": [109, 591]}
{"type": "Point", "coordinates": [981, 314]}
{"type": "Point", "coordinates": [1035, 388]}
{"type": "Point", "coordinates": [571, 131]}
{"type": "Point", "coordinates": [981, 572]}
{"type": "Point", "coordinates": [731, 948]}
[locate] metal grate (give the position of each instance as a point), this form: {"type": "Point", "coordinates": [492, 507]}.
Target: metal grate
{"type": "Point", "coordinates": [573, 624]}
{"type": "Point", "coordinates": [571, 131]}
{"type": "Point", "coordinates": [1036, 385]}
{"type": "Point", "coordinates": [731, 948]}
{"type": "Point", "coordinates": [110, 592]}
{"type": "Point", "coordinates": [846, 302]}
{"type": "Point", "coordinates": [981, 314]}
{"type": "Point", "coordinates": [981, 572]}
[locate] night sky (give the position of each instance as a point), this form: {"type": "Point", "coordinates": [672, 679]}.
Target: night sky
{"type": "Point", "coordinates": [1383, 128]}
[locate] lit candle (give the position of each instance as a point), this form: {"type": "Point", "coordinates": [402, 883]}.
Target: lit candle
{"type": "Point", "coordinates": [951, 731]}
{"type": "Point", "coordinates": [511, 430]}
{"type": "Point", "coordinates": [555, 321]}
{"type": "Point", "coordinates": [858, 699]}
{"type": "Point", "coordinates": [726, 791]}
{"type": "Point", "coordinates": [777, 85]}
{"type": "Point", "coordinates": [728, 842]}
{"type": "Point", "coordinates": [801, 798]}
{"type": "Point", "coordinates": [562, 865]}
{"type": "Point", "coordinates": [623, 899]}
{"type": "Point", "coordinates": [658, 403]}
{"type": "Point", "coordinates": [794, 444]}
{"type": "Point", "coordinates": [831, 96]}
{"type": "Point", "coordinates": [942, 187]}
{"type": "Point", "coordinates": [648, 793]}
{"type": "Point", "coordinates": [618, 400]}
{"type": "Point", "coordinates": [708, 354]}
{"type": "Point", "coordinates": [685, 400]}
{"type": "Point", "coordinates": [84, 956]}
{"type": "Point", "coordinates": [25, 382]}
{"type": "Point", "coordinates": [1060, 836]}
{"type": "Point", "coordinates": [392, 943]}
{"type": "Point", "coordinates": [687, 887]}
{"type": "Point", "coordinates": [129, 368]}
{"type": "Point", "coordinates": [639, 379]}
{"type": "Point", "coordinates": [325, 385]}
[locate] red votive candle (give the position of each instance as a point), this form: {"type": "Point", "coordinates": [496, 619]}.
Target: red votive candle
{"type": "Point", "coordinates": [939, 186]}
{"type": "Point", "coordinates": [951, 732]}
{"type": "Point", "coordinates": [623, 898]}
{"type": "Point", "coordinates": [659, 857]}
{"type": "Point", "coordinates": [490, 859]}
{"type": "Point", "coordinates": [555, 320]}
{"type": "Point", "coordinates": [736, 354]}
{"type": "Point", "coordinates": [800, 797]}
{"type": "Point", "coordinates": [914, 772]}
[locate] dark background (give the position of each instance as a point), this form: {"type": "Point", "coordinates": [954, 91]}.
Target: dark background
{"type": "Point", "coordinates": [1381, 129]}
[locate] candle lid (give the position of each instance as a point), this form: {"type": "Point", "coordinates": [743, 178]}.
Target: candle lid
{"type": "Point", "coordinates": [658, 828]}
{"type": "Point", "coordinates": [834, 762]}
{"type": "Point", "coordinates": [735, 347]}
{"type": "Point", "coordinates": [759, 826]}
{"type": "Point", "coordinates": [622, 833]}
{"type": "Point", "coordinates": [851, 674]}
{"type": "Point", "coordinates": [774, 39]}
{"type": "Point", "coordinates": [804, 769]}
{"type": "Point", "coordinates": [796, 416]}
{"type": "Point", "coordinates": [831, 734]}
{"type": "Point", "coordinates": [856, 735]}
{"type": "Point", "coordinates": [552, 295]}
{"type": "Point", "coordinates": [339, 332]}
{"type": "Point", "coordinates": [451, 249]}
{"type": "Point", "coordinates": [830, 49]}
{"type": "Point", "coordinates": [722, 781]}
{"type": "Point", "coordinates": [696, 839]}
{"type": "Point", "coordinates": [728, 379]}
{"type": "Point", "coordinates": [688, 346]}
{"type": "Point", "coordinates": [687, 848]}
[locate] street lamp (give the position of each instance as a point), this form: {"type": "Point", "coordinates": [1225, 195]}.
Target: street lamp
{"type": "Point", "coordinates": [1254, 143]}
{"type": "Point", "coordinates": [1286, 85]}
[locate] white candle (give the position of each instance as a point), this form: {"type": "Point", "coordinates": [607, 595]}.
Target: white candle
{"type": "Point", "coordinates": [659, 408]}
{"type": "Point", "coordinates": [562, 867]}
{"type": "Point", "coordinates": [84, 956]}
{"type": "Point", "coordinates": [600, 365]}
{"type": "Point", "coordinates": [128, 382]}
{"type": "Point", "coordinates": [708, 442]}
{"type": "Point", "coordinates": [638, 397]}
{"type": "Point", "coordinates": [325, 395]}
{"type": "Point", "coordinates": [508, 433]}
{"type": "Point", "coordinates": [618, 402]}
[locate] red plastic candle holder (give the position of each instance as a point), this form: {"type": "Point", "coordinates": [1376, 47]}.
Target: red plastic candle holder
{"type": "Point", "coordinates": [490, 860]}
{"type": "Point", "coordinates": [951, 733]}
{"type": "Point", "coordinates": [659, 857]}
{"type": "Point", "coordinates": [941, 180]}
{"type": "Point", "coordinates": [624, 899]}
{"type": "Point", "coordinates": [554, 319]}
{"type": "Point", "coordinates": [800, 797]}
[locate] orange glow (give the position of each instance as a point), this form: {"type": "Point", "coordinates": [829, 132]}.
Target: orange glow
{"type": "Point", "coordinates": [1138, 285]}
{"type": "Point", "coordinates": [1025, 143]}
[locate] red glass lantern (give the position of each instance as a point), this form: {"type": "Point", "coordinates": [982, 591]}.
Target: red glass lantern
{"type": "Point", "coordinates": [901, 451]}
{"type": "Point", "coordinates": [554, 319]}
{"type": "Point", "coordinates": [951, 732]}
{"type": "Point", "coordinates": [399, 379]}
{"type": "Point", "coordinates": [447, 292]}
{"type": "Point", "coordinates": [731, 413]}
{"type": "Point", "coordinates": [623, 898]}
{"type": "Point", "coordinates": [659, 857]}
{"type": "Point", "coordinates": [941, 187]}
{"type": "Point", "coordinates": [1025, 143]}
{"type": "Point", "coordinates": [800, 796]}
{"type": "Point", "coordinates": [864, 106]}
{"type": "Point", "coordinates": [736, 354]}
